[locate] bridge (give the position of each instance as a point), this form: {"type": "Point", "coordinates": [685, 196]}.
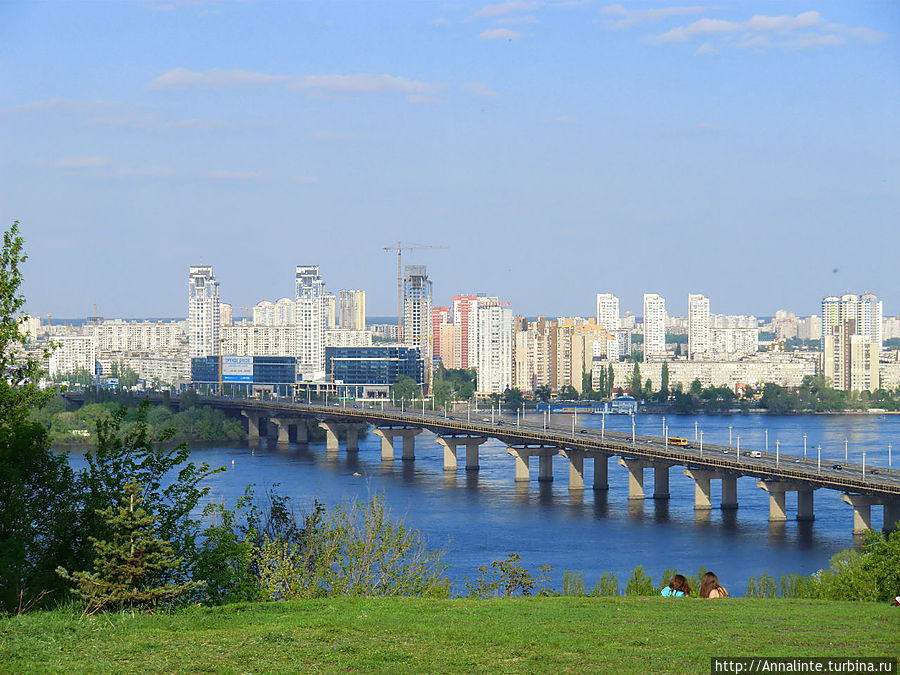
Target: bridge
{"type": "Point", "coordinates": [777, 474]}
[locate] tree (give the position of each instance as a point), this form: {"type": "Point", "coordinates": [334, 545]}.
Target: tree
{"type": "Point", "coordinates": [610, 380]}
{"type": "Point", "coordinates": [696, 387]}
{"type": "Point", "coordinates": [542, 393]}
{"type": "Point", "coordinates": [648, 390]}
{"type": "Point", "coordinates": [636, 381]}
{"type": "Point", "coordinates": [664, 382]}
{"type": "Point", "coordinates": [513, 397]}
{"type": "Point", "coordinates": [131, 568]}
{"type": "Point", "coordinates": [405, 389]}
{"type": "Point", "coordinates": [35, 481]}
{"type": "Point", "coordinates": [441, 391]}
{"type": "Point", "coordinates": [568, 393]}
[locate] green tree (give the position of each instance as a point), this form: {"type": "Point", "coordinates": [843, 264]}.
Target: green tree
{"type": "Point", "coordinates": [568, 393]}
{"type": "Point", "coordinates": [441, 391]}
{"type": "Point", "coordinates": [171, 486]}
{"type": "Point", "coordinates": [513, 398]}
{"type": "Point", "coordinates": [696, 387]}
{"type": "Point", "coordinates": [131, 569]}
{"type": "Point", "coordinates": [648, 390]}
{"type": "Point", "coordinates": [664, 382]}
{"type": "Point", "coordinates": [405, 389]}
{"type": "Point", "coordinates": [542, 393]}
{"type": "Point", "coordinates": [635, 385]}
{"type": "Point", "coordinates": [34, 482]}
{"type": "Point", "coordinates": [610, 380]}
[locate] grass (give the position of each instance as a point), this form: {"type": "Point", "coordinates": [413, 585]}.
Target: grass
{"type": "Point", "coordinates": [408, 635]}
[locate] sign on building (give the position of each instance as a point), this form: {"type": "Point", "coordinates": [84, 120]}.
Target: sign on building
{"type": "Point", "coordinates": [237, 369]}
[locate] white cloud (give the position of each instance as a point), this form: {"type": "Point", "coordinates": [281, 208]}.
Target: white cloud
{"type": "Point", "coordinates": [699, 28]}
{"type": "Point", "coordinates": [807, 29]}
{"type": "Point", "coordinates": [502, 8]}
{"type": "Point", "coordinates": [146, 172]}
{"type": "Point", "coordinates": [61, 105]}
{"type": "Point", "coordinates": [80, 162]}
{"type": "Point", "coordinates": [529, 19]}
{"type": "Point", "coordinates": [632, 17]}
{"type": "Point", "coordinates": [440, 21]}
{"type": "Point", "coordinates": [182, 78]}
{"type": "Point", "coordinates": [478, 89]}
{"type": "Point", "coordinates": [500, 34]}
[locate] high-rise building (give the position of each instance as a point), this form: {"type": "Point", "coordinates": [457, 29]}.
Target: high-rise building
{"type": "Point", "coordinates": [417, 328]}
{"type": "Point", "coordinates": [608, 312]}
{"type": "Point", "coordinates": [352, 310]}
{"type": "Point", "coordinates": [654, 326]}
{"type": "Point", "coordinates": [698, 325]}
{"type": "Point", "coordinates": [465, 313]}
{"type": "Point", "coordinates": [204, 317]}
{"type": "Point", "coordinates": [851, 341]}
{"type": "Point", "coordinates": [310, 322]}
{"type": "Point", "coordinates": [330, 310]}
{"type": "Point", "coordinates": [226, 314]}
{"type": "Point", "coordinates": [440, 317]}
{"type": "Point", "coordinates": [494, 358]}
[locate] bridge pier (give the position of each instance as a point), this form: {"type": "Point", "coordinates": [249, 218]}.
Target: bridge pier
{"type": "Point", "coordinates": [702, 489]}
{"type": "Point", "coordinates": [389, 434]}
{"type": "Point", "coordinates": [729, 492]}
{"type": "Point", "coordinates": [253, 420]}
{"type": "Point", "coordinates": [545, 457]}
{"type": "Point", "coordinates": [635, 476]}
{"type": "Point", "coordinates": [805, 504]}
{"type": "Point", "coordinates": [332, 431]}
{"type": "Point", "coordinates": [862, 511]}
{"type": "Point", "coordinates": [661, 480]}
{"type": "Point", "coordinates": [576, 469]}
{"type": "Point", "coordinates": [451, 443]}
{"type": "Point", "coordinates": [777, 506]}
{"type": "Point", "coordinates": [891, 515]}
{"type": "Point", "coordinates": [283, 428]}
{"type": "Point", "coordinates": [601, 472]}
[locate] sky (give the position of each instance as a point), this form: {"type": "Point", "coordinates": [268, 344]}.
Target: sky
{"type": "Point", "coordinates": [554, 149]}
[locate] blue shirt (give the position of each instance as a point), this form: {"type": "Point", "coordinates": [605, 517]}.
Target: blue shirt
{"type": "Point", "coordinates": [669, 593]}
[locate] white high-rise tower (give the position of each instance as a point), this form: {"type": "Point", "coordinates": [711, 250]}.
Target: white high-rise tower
{"type": "Point", "coordinates": [310, 322]}
{"type": "Point", "coordinates": [654, 326]}
{"type": "Point", "coordinates": [698, 325]}
{"type": "Point", "coordinates": [608, 312]}
{"type": "Point", "coordinates": [204, 318]}
{"type": "Point", "coordinates": [352, 310]}
{"type": "Point", "coordinates": [417, 326]}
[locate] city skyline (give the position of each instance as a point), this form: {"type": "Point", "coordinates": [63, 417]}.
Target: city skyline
{"type": "Point", "coordinates": [554, 148]}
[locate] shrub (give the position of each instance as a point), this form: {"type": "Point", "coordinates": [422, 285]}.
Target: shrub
{"type": "Point", "coordinates": [508, 578]}
{"type": "Point", "coordinates": [639, 583]}
{"type": "Point", "coordinates": [573, 584]}
{"type": "Point", "coordinates": [607, 585]}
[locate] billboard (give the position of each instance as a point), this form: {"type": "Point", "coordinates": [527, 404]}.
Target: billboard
{"type": "Point", "coordinates": [237, 369]}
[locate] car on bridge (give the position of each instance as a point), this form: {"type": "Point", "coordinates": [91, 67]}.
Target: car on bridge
{"type": "Point", "coordinates": [836, 467]}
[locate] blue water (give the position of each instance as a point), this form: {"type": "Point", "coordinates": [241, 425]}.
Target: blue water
{"type": "Point", "coordinates": [480, 517]}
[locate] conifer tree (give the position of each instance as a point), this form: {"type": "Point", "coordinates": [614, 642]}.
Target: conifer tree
{"type": "Point", "coordinates": [130, 568]}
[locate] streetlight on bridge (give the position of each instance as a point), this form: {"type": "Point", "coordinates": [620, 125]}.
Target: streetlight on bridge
{"type": "Point", "coordinates": [804, 446]}
{"type": "Point", "coordinates": [729, 437]}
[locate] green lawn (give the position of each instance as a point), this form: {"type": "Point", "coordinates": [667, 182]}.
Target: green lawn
{"type": "Point", "coordinates": [414, 635]}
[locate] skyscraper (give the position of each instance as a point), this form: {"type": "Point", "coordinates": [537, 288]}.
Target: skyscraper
{"type": "Point", "coordinates": [654, 326]}
{"type": "Point", "coordinates": [494, 360]}
{"type": "Point", "coordinates": [465, 318]}
{"type": "Point", "coordinates": [608, 312]}
{"type": "Point", "coordinates": [851, 341]}
{"type": "Point", "coordinates": [698, 325]}
{"type": "Point", "coordinates": [352, 310]}
{"type": "Point", "coordinates": [417, 327]}
{"type": "Point", "coordinates": [440, 317]}
{"type": "Point", "coordinates": [204, 316]}
{"type": "Point", "coordinates": [310, 318]}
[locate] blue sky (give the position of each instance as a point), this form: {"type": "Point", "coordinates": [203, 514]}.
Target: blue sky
{"type": "Point", "coordinates": [749, 151]}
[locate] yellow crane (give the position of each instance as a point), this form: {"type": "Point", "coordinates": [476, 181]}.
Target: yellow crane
{"type": "Point", "coordinates": [399, 248]}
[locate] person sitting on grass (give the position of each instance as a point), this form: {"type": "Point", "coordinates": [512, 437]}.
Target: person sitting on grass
{"type": "Point", "coordinates": [678, 588]}
{"type": "Point", "coordinates": [711, 588]}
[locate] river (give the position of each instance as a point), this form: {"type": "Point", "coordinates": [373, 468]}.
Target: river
{"type": "Point", "coordinates": [480, 517]}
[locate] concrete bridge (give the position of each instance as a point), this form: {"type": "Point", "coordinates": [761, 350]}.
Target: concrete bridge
{"type": "Point", "coordinates": [777, 474]}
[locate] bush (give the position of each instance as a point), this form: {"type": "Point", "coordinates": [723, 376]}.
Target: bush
{"type": "Point", "coordinates": [573, 584]}
{"type": "Point", "coordinates": [639, 583]}
{"type": "Point", "coordinates": [505, 578]}
{"type": "Point", "coordinates": [607, 585]}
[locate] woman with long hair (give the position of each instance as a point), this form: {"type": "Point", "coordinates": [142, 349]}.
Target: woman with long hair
{"type": "Point", "coordinates": [678, 588]}
{"type": "Point", "coordinates": [711, 588]}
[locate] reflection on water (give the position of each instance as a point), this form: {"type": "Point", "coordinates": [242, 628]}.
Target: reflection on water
{"type": "Point", "coordinates": [481, 516]}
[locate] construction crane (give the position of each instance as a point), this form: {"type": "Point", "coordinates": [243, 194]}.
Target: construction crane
{"type": "Point", "coordinates": [400, 248]}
